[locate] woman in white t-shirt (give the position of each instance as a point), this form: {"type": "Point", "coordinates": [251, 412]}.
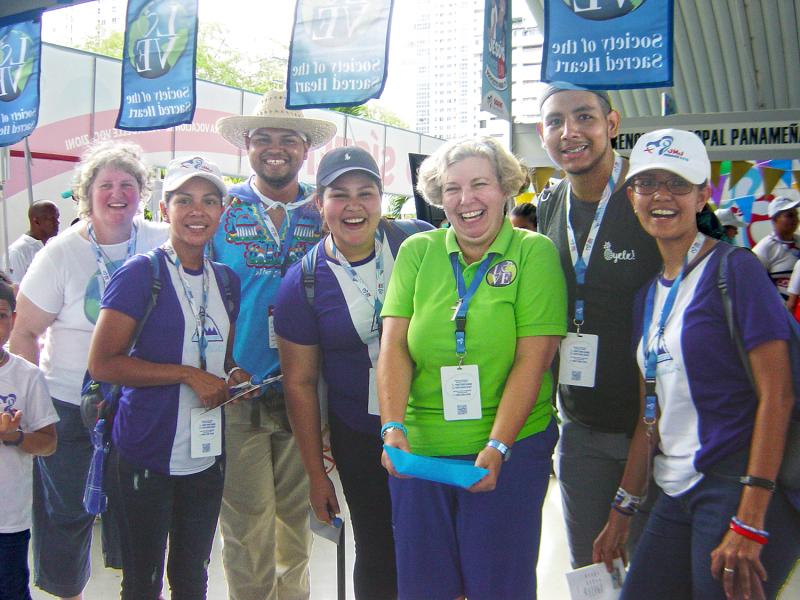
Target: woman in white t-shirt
{"type": "Point", "coordinates": [60, 299]}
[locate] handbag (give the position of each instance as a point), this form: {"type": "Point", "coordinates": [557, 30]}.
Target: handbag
{"type": "Point", "coordinates": [789, 475]}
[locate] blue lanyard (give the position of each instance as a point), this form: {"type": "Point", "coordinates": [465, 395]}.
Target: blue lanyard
{"type": "Point", "coordinates": [580, 263]}
{"type": "Point", "coordinates": [376, 300]}
{"type": "Point", "coordinates": [199, 312]}
{"type": "Point", "coordinates": [464, 297]}
{"type": "Point", "coordinates": [650, 350]}
{"type": "Point", "coordinates": [102, 265]}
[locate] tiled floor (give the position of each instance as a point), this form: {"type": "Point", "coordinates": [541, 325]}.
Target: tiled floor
{"type": "Point", "coordinates": [553, 563]}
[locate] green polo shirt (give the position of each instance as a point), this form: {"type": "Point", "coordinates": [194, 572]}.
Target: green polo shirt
{"type": "Point", "coordinates": [523, 294]}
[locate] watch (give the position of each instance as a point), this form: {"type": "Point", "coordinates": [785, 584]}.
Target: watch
{"type": "Point", "coordinates": [17, 441]}
{"type": "Point", "coordinates": [504, 450]}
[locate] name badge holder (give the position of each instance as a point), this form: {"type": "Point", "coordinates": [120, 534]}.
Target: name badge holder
{"type": "Point", "coordinates": [461, 389]}
{"type": "Point", "coordinates": [578, 351]}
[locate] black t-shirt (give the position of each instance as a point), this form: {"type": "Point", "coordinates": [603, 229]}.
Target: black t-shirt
{"type": "Point", "coordinates": [624, 259]}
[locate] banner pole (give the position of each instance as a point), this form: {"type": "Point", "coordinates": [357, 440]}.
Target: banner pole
{"type": "Point", "coordinates": [28, 176]}
{"type": "Point", "coordinates": [4, 169]}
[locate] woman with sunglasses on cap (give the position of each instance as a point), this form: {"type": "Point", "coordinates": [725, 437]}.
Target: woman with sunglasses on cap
{"type": "Point", "coordinates": [720, 441]}
{"type": "Point", "coordinates": [327, 318]}
{"type": "Point", "coordinates": [165, 470]}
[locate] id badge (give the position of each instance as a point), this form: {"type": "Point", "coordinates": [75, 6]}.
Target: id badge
{"type": "Point", "coordinates": [578, 360]}
{"type": "Point", "coordinates": [373, 408]}
{"type": "Point", "coordinates": [206, 435]}
{"type": "Point", "coordinates": [273, 339]}
{"type": "Point", "coordinates": [461, 393]}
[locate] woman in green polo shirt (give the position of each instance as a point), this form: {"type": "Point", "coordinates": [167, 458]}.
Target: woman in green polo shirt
{"type": "Point", "coordinates": [472, 319]}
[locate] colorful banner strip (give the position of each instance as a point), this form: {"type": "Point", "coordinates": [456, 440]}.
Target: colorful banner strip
{"type": "Point", "coordinates": [20, 61]}
{"type": "Point", "coordinates": [158, 64]}
{"type": "Point", "coordinates": [339, 55]}
{"type": "Point", "coordinates": [496, 70]}
{"type": "Point", "coordinates": [608, 45]}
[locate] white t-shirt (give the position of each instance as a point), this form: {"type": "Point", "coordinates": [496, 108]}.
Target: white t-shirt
{"type": "Point", "coordinates": [779, 258]}
{"type": "Point", "coordinates": [64, 280]}
{"type": "Point", "coordinates": [794, 280]}
{"type": "Point", "coordinates": [22, 387]}
{"type": "Point", "coordinates": [20, 255]}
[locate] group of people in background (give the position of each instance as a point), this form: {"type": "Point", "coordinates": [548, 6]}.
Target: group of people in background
{"type": "Point", "coordinates": [597, 307]}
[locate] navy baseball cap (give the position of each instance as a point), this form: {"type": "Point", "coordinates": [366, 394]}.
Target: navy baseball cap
{"type": "Point", "coordinates": [564, 86]}
{"type": "Point", "coordinates": [343, 160]}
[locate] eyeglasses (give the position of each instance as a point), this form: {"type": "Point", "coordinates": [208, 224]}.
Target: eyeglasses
{"type": "Point", "coordinates": [647, 186]}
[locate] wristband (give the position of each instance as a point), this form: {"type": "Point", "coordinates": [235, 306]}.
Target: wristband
{"type": "Point", "coordinates": [232, 371]}
{"type": "Point", "coordinates": [627, 501]}
{"type": "Point", "coordinates": [504, 450]}
{"type": "Point", "coordinates": [751, 533]}
{"type": "Point", "coordinates": [623, 511]}
{"type": "Point", "coordinates": [760, 482]}
{"type": "Point", "coordinates": [389, 425]}
{"type": "Point", "coordinates": [18, 441]}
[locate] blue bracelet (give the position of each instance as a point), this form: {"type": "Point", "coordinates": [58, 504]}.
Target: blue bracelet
{"type": "Point", "coordinates": [389, 425]}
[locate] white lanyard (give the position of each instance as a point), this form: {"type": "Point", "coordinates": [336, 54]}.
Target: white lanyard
{"type": "Point", "coordinates": [102, 266]}
{"type": "Point", "coordinates": [376, 301]}
{"type": "Point", "coordinates": [199, 312]}
{"type": "Point", "coordinates": [267, 204]}
{"type": "Point", "coordinates": [581, 263]}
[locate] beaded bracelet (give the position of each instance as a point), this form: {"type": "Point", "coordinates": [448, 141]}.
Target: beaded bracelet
{"type": "Point", "coordinates": [627, 501]}
{"type": "Point", "coordinates": [751, 533]}
{"type": "Point", "coordinates": [623, 511]}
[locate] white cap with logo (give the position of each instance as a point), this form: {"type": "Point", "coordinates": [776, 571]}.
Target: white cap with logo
{"type": "Point", "coordinates": [674, 150]}
{"type": "Point", "coordinates": [181, 170]}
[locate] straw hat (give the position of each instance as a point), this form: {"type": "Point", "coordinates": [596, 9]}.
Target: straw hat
{"type": "Point", "coordinates": [271, 112]}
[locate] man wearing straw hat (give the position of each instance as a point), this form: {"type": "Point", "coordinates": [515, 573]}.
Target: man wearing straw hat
{"type": "Point", "coordinates": [269, 224]}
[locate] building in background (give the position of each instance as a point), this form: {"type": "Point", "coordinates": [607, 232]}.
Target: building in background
{"type": "Point", "coordinates": [448, 45]}
{"type": "Point", "coordinates": [71, 27]}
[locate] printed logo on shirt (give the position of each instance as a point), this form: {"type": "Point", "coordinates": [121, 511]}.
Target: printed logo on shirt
{"type": "Point", "coordinates": [212, 331]}
{"type": "Point", "coordinates": [615, 257]}
{"type": "Point", "coordinates": [94, 292]}
{"type": "Point", "coordinates": [7, 403]}
{"type": "Point", "coordinates": [502, 274]}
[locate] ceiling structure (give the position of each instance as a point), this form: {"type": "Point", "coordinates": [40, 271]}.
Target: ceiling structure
{"type": "Point", "coordinates": [730, 56]}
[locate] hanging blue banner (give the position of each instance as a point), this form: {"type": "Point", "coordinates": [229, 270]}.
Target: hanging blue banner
{"type": "Point", "coordinates": [20, 60]}
{"type": "Point", "coordinates": [339, 53]}
{"type": "Point", "coordinates": [608, 44]}
{"type": "Point", "coordinates": [158, 62]}
{"type": "Point", "coordinates": [496, 70]}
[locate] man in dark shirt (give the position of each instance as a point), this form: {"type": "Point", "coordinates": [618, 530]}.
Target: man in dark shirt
{"type": "Point", "coordinates": [606, 258]}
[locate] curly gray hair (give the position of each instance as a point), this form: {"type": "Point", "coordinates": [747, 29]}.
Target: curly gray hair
{"type": "Point", "coordinates": [124, 156]}
{"type": "Point", "coordinates": [510, 172]}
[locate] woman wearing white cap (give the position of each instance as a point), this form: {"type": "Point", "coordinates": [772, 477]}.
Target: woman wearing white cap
{"type": "Point", "coordinates": [59, 299]}
{"type": "Point", "coordinates": [720, 440]}
{"type": "Point", "coordinates": [166, 470]}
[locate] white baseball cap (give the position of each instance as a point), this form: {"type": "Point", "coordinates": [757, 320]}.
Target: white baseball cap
{"type": "Point", "coordinates": [785, 199]}
{"type": "Point", "coordinates": [674, 150]}
{"type": "Point", "coordinates": [181, 170]}
{"type": "Point", "coordinates": [728, 218]}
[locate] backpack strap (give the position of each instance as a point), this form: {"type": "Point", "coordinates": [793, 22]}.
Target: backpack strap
{"type": "Point", "coordinates": [227, 294]}
{"type": "Point", "coordinates": [408, 227]}
{"type": "Point", "coordinates": [723, 283]}
{"type": "Point", "coordinates": [309, 267]}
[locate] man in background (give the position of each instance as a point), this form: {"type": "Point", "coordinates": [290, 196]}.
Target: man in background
{"type": "Point", "coordinates": [43, 224]}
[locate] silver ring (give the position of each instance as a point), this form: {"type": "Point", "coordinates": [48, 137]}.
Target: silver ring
{"type": "Point", "coordinates": [727, 570]}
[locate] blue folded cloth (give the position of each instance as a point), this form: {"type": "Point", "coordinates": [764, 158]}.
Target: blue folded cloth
{"type": "Point", "coordinates": [461, 473]}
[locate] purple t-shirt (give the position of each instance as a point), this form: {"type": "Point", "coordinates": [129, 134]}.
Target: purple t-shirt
{"type": "Point", "coordinates": [152, 425]}
{"type": "Point", "coordinates": [342, 324]}
{"type": "Point", "coordinates": [706, 401]}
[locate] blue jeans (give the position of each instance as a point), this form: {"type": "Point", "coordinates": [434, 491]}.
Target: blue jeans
{"type": "Point", "coordinates": [14, 574]}
{"type": "Point", "coordinates": [673, 558]}
{"type": "Point", "coordinates": [62, 529]}
{"type": "Point", "coordinates": [153, 507]}
{"type": "Point", "coordinates": [451, 542]}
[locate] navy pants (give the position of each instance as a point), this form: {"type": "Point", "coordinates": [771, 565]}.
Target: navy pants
{"type": "Point", "coordinates": [154, 507]}
{"type": "Point", "coordinates": [366, 488]}
{"type": "Point", "coordinates": [14, 574]}
{"type": "Point", "coordinates": [673, 558]}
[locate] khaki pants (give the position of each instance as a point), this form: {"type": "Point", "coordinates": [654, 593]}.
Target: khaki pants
{"type": "Point", "coordinates": [264, 516]}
